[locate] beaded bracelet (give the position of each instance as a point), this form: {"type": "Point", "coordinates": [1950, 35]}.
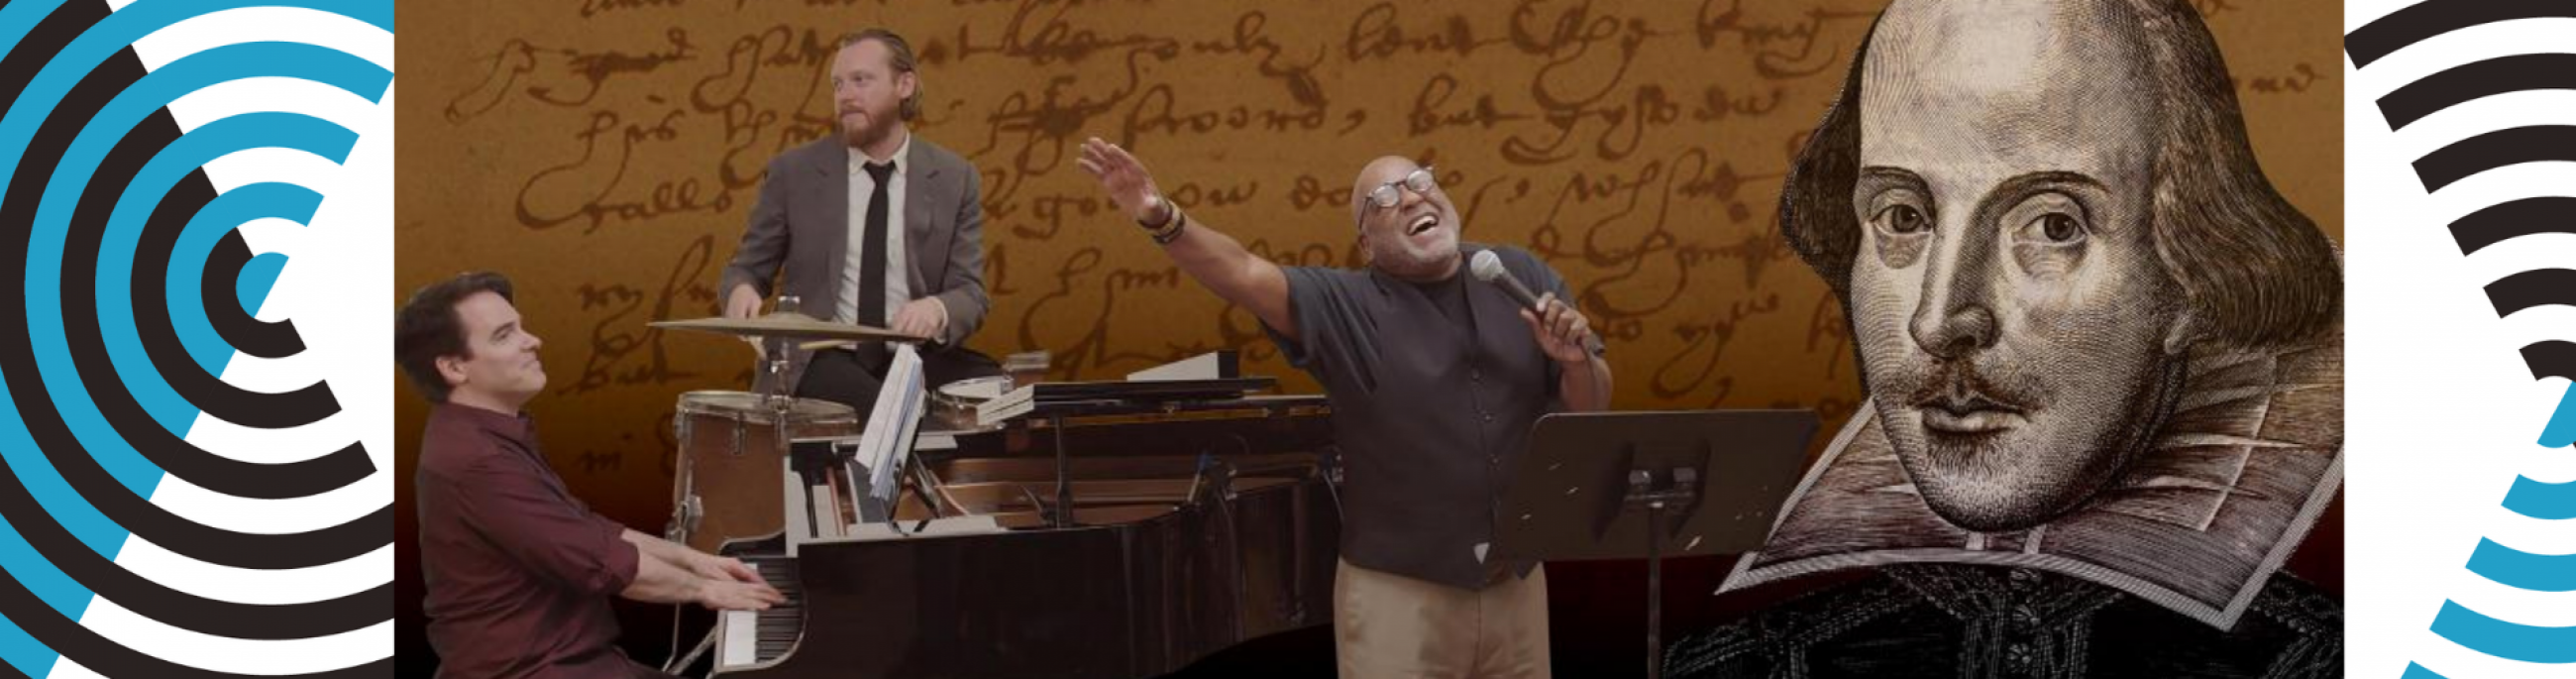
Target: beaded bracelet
{"type": "Point", "coordinates": [1171, 231]}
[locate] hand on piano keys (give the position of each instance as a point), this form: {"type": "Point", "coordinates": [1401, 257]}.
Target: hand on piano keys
{"type": "Point", "coordinates": [722, 569]}
{"type": "Point", "coordinates": [728, 584]}
{"type": "Point", "coordinates": [747, 637]}
{"type": "Point", "coordinates": [728, 595]}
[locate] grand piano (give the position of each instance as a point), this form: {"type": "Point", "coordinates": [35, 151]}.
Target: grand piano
{"type": "Point", "coordinates": [1112, 534]}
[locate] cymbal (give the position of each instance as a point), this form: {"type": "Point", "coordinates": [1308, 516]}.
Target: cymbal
{"type": "Point", "coordinates": [788, 325]}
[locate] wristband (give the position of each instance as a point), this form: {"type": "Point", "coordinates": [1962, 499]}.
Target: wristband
{"type": "Point", "coordinates": [1171, 230]}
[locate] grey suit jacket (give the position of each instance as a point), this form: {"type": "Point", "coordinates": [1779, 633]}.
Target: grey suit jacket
{"type": "Point", "coordinates": [801, 223]}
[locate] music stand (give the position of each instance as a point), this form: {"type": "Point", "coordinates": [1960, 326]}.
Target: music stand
{"type": "Point", "coordinates": [1603, 486]}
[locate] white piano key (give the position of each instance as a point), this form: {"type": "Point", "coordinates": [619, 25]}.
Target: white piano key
{"type": "Point", "coordinates": [741, 630]}
{"type": "Point", "coordinates": [741, 633]}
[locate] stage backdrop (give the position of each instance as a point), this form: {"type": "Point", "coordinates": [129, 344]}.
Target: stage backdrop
{"type": "Point", "coordinates": [604, 154]}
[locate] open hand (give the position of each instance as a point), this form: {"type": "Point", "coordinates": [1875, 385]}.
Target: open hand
{"type": "Point", "coordinates": [1123, 178]}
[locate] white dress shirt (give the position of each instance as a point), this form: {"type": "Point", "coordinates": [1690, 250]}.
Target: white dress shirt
{"type": "Point", "coordinates": [898, 285]}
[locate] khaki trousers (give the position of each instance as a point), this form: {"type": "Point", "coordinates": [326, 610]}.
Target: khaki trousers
{"type": "Point", "coordinates": [1387, 625]}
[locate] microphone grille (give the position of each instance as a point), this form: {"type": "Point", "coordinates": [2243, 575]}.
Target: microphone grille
{"type": "Point", "coordinates": [1486, 266]}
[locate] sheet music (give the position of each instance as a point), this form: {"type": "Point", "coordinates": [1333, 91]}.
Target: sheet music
{"type": "Point", "coordinates": [888, 439]}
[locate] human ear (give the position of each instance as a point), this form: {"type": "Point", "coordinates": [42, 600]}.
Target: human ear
{"type": "Point", "coordinates": [452, 369]}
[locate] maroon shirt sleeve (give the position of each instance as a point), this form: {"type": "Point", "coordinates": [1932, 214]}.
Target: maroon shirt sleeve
{"type": "Point", "coordinates": [545, 530]}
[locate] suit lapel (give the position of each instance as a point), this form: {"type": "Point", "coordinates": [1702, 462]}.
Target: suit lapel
{"type": "Point", "coordinates": [923, 187]}
{"type": "Point", "coordinates": [830, 198]}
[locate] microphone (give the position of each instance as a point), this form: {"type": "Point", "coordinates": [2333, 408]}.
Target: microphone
{"type": "Point", "coordinates": [1488, 267]}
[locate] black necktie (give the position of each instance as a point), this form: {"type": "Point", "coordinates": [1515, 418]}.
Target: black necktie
{"type": "Point", "coordinates": [872, 264]}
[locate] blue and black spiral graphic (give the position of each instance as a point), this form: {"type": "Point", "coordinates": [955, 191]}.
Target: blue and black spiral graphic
{"type": "Point", "coordinates": [2499, 226]}
{"type": "Point", "coordinates": [129, 292]}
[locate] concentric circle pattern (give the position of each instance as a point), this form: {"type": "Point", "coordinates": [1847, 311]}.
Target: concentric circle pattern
{"type": "Point", "coordinates": [2504, 225]}
{"type": "Point", "coordinates": [133, 289]}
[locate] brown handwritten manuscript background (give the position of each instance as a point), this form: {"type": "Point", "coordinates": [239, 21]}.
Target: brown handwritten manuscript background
{"type": "Point", "coordinates": [603, 153]}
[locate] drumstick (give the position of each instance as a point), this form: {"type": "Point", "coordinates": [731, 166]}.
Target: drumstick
{"type": "Point", "coordinates": [819, 345]}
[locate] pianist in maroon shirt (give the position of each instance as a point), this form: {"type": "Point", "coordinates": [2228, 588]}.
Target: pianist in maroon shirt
{"type": "Point", "coordinates": [519, 571]}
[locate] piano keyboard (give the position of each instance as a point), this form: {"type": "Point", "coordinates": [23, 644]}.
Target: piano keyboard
{"type": "Point", "coordinates": [749, 638]}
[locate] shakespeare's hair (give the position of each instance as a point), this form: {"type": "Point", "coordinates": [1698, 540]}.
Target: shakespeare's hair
{"type": "Point", "coordinates": [2256, 271]}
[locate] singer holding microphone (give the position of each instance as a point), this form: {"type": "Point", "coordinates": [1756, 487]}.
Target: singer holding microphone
{"type": "Point", "coordinates": [1434, 388]}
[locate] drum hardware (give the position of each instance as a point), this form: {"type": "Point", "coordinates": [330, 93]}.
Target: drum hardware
{"type": "Point", "coordinates": [955, 405]}
{"type": "Point", "coordinates": [732, 449]}
{"type": "Point", "coordinates": [744, 480]}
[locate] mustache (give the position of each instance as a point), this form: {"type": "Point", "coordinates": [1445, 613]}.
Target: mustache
{"type": "Point", "coordinates": [1959, 387]}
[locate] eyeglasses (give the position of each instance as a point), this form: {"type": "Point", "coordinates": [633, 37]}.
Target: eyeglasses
{"type": "Point", "coordinates": [1419, 181]}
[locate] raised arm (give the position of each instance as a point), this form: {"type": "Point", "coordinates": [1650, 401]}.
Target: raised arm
{"type": "Point", "coordinates": [1215, 259]}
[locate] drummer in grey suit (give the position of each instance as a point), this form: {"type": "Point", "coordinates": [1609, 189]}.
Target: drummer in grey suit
{"type": "Point", "coordinates": [872, 226]}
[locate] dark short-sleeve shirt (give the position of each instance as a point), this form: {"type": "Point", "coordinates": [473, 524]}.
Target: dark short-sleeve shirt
{"type": "Point", "coordinates": [519, 571]}
{"type": "Point", "coordinates": [1431, 407]}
